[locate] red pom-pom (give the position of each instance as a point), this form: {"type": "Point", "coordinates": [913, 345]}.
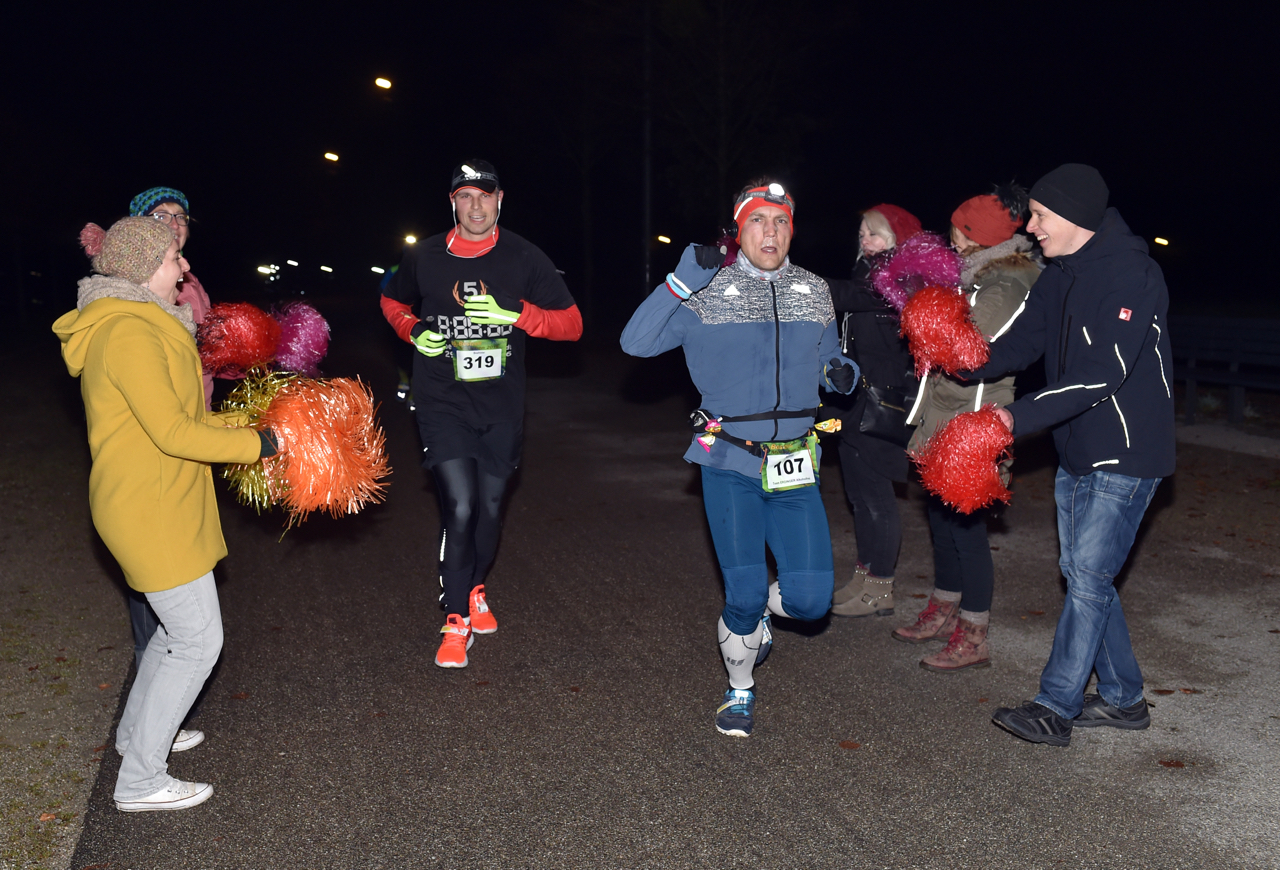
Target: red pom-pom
{"type": "Point", "coordinates": [941, 333]}
{"type": "Point", "coordinates": [961, 462]}
{"type": "Point", "coordinates": [91, 239]}
{"type": "Point", "coordinates": [236, 336]}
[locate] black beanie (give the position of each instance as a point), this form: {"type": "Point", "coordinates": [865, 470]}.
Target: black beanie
{"type": "Point", "coordinates": [1076, 192]}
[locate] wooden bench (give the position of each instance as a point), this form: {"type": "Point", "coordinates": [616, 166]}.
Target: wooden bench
{"type": "Point", "coordinates": [1239, 353]}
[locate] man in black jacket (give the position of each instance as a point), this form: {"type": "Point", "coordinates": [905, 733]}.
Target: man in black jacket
{"type": "Point", "coordinates": [1098, 314]}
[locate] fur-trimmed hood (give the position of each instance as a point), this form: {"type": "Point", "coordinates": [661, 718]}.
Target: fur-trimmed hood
{"type": "Point", "coordinates": [1015, 250]}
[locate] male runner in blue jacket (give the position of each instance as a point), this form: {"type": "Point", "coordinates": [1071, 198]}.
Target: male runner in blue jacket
{"type": "Point", "coordinates": [759, 336]}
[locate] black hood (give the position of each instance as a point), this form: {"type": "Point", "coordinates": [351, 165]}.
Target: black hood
{"type": "Point", "coordinates": [1113, 237]}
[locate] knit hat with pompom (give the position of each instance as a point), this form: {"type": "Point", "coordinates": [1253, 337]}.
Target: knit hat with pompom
{"type": "Point", "coordinates": [132, 249]}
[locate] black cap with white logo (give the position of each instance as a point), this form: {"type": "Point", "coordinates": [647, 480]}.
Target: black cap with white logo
{"type": "Point", "coordinates": [474, 173]}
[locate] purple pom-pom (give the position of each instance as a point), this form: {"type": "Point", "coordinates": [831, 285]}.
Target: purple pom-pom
{"type": "Point", "coordinates": [923, 260]}
{"type": "Point", "coordinates": [304, 339]}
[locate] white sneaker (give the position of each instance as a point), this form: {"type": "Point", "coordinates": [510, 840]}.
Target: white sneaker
{"type": "Point", "coordinates": [182, 741]}
{"type": "Point", "coordinates": [177, 795]}
{"type": "Point", "coordinates": [187, 739]}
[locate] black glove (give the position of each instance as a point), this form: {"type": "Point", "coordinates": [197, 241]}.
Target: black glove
{"type": "Point", "coordinates": [270, 444]}
{"type": "Point", "coordinates": [709, 256]}
{"type": "Point", "coordinates": [840, 375]}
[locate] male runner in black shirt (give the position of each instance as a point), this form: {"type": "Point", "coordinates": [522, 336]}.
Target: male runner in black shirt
{"type": "Point", "coordinates": [467, 300]}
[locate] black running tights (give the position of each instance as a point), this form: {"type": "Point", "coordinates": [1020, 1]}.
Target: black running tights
{"type": "Point", "coordinates": [470, 522]}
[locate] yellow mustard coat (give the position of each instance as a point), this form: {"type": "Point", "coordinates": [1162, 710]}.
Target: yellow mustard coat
{"type": "Point", "coordinates": [151, 488]}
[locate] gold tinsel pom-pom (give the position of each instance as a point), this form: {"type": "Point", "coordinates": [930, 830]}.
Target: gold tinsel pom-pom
{"type": "Point", "coordinates": [332, 452]}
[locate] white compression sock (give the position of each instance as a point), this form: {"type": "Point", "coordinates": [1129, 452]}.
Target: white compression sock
{"type": "Point", "coordinates": [739, 654]}
{"type": "Point", "coordinates": [976, 618]}
{"type": "Point", "coordinates": [945, 595]}
{"type": "Point", "coordinates": [775, 600]}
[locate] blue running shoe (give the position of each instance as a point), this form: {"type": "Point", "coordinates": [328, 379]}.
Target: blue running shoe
{"type": "Point", "coordinates": [766, 638]}
{"type": "Point", "coordinates": [734, 716]}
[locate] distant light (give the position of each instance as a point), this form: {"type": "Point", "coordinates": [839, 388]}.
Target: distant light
{"type": "Point", "coordinates": [325, 269]}
{"type": "Point", "coordinates": [1160, 241]}
{"type": "Point", "coordinates": [275, 268]}
{"type": "Point", "coordinates": [410, 239]}
{"type": "Point", "coordinates": [329, 155]}
{"type": "Point", "coordinates": [292, 262]}
{"type": "Point", "coordinates": [266, 270]}
{"type": "Point", "coordinates": [382, 83]}
{"type": "Point", "coordinates": [664, 240]}
{"type": "Point", "coordinates": [377, 270]}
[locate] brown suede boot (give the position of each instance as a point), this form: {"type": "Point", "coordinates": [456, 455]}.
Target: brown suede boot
{"type": "Point", "coordinates": [935, 622]}
{"type": "Point", "coordinates": [967, 648]}
{"type": "Point", "coordinates": [873, 596]}
{"type": "Point", "coordinates": [853, 588]}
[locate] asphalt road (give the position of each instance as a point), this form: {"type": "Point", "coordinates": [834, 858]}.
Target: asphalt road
{"type": "Point", "coordinates": [581, 735]}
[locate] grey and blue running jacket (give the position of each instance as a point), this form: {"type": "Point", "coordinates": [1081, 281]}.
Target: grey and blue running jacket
{"type": "Point", "coordinates": [752, 346]}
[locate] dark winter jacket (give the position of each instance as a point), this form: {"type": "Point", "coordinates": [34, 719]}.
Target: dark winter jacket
{"type": "Point", "coordinates": [752, 346]}
{"type": "Point", "coordinates": [1100, 318]}
{"type": "Point", "coordinates": [869, 334]}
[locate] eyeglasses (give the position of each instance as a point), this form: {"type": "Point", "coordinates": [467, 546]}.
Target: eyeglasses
{"type": "Point", "coordinates": [165, 218]}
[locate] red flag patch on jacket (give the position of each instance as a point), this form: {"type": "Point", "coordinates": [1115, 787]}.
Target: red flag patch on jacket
{"type": "Point", "coordinates": [1125, 314]}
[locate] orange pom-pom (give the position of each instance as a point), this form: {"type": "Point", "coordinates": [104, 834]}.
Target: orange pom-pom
{"type": "Point", "coordinates": [236, 336]}
{"type": "Point", "coordinates": [332, 452]}
{"type": "Point", "coordinates": [961, 462]}
{"type": "Point", "coordinates": [940, 332]}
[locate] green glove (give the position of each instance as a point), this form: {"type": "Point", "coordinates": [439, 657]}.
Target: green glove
{"type": "Point", "coordinates": [429, 343]}
{"type": "Point", "coordinates": [486, 311]}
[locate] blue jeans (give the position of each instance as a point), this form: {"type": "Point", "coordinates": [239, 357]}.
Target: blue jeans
{"type": "Point", "coordinates": [1098, 519]}
{"type": "Point", "coordinates": [743, 519]}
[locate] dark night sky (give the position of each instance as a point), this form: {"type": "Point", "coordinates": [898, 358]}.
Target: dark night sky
{"type": "Point", "coordinates": [922, 105]}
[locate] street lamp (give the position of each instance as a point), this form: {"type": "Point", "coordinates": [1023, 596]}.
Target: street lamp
{"type": "Point", "coordinates": [409, 240]}
{"type": "Point", "coordinates": [1160, 241]}
{"type": "Point", "coordinates": [325, 269]}
{"type": "Point", "coordinates": [385, 84]}
{"type": "Point", "coordinates": [664, 240]}
{"type": "Point", "coordinates": [329, 155]}
{"type": "Point", "coordinates": [377, 270]}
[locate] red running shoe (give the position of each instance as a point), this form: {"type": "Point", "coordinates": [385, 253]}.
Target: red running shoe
{"type": "Point", "coordinates": [457, 640]}
{"type": "Point", "coordinates": [482, 621]}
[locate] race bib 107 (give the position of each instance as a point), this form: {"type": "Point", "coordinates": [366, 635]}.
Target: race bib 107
{"type": "Point", "coordinates": [790, 464]}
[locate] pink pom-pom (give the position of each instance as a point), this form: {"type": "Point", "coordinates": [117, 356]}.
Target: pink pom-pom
{"type": "Point", "coordinates": [731, 247]}
{"type": "Point", "coordinates": [924, 259]}
{"type": "Point", "coordinates": [236, 336]}
{"type": "Point", "coordinates": [91, 239]}
{"type": "Point", "coordinates": [940, 332]}
{"type": "Point", "coordinates": [304, 339]}
{"type": "Point", "coordinates": [961, 462]}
